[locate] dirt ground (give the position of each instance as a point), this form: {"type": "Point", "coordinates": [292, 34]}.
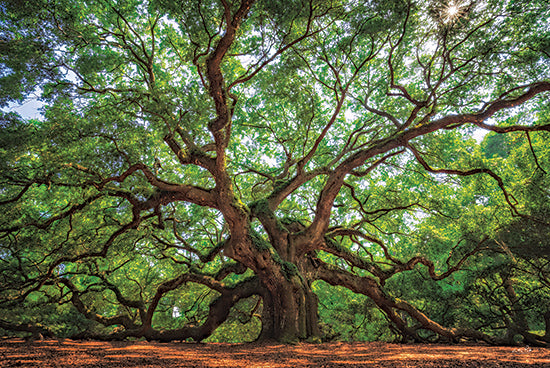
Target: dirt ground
{"type": "Point", "coordinates": [69, 353]}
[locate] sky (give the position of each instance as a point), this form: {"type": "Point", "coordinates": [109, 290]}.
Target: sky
{"type": "Point", "coordinates": [29, 109]}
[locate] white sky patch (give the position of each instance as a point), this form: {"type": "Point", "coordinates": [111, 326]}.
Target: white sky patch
{"type": "Point", "coordinates": [269, 160]}
{"type": "Point", "coordinates": [246, 60]}
{"type": "Point", "coordinates": [350, 115]}
{"type": "Point", "coordinates": [28, 109]}
{"type": "Point", "coordinates": [71, 76]}
{"type": "Point", "coordinates": [479, 134]}
{"type": "Point", "coordinates": [176, 312]}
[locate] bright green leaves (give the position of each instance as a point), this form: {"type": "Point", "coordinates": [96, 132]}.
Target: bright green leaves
{"type": "Point", "coordinates": [99, 61]}
{"type": "Point", "coordinates": [25, 53]}
{"type": "Point", "coordinates": [495, 145]}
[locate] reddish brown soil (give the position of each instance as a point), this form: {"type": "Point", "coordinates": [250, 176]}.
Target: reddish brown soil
{"type": "Point", "coordinates": [68, 353]}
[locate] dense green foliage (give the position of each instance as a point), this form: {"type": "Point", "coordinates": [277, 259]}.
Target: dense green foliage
{"type": "Point", "coordinates": [228, 170]}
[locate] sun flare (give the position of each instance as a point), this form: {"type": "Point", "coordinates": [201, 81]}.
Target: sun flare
{"type": "Point", "coordinates": [453, 10]}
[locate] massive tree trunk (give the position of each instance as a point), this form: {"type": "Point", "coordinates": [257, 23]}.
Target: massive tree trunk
{"type": "Point", "coordinates": [289, 305]}
{"type": "Point", "coordinates": [290, 310]}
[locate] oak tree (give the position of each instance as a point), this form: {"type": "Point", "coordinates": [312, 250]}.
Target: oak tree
{"type": "Point", "coordinates": [206, 160]}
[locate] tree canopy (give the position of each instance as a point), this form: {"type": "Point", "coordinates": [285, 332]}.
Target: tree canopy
{"type": "Point", "coordinates": [276, 169]}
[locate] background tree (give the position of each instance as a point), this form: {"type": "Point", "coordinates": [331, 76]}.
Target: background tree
{"type": "Point", "coordinates": [212, 161]}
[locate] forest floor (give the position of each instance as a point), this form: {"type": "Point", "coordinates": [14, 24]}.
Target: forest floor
{"type": "Point", "coordinates": [69, 353]}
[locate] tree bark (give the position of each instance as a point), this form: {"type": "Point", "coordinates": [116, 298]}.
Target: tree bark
{"type": "Point", "coordinates": [37, 332]}
{"type": "Point", "coordinates": [290, 311]}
